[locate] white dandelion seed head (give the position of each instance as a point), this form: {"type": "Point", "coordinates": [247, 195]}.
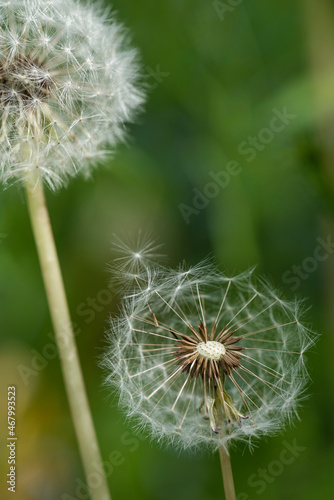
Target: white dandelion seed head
{"type": "Point", "coordinates": [204, 353]}
{"type": "Point", "coordinates": [68, 83]}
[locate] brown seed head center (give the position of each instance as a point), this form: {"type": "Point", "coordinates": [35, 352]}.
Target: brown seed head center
{"type": "Point", "coordinates": [199, 354]}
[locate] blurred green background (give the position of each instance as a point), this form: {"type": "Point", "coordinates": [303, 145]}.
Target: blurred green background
{"type": "Point", "coordinates": [218, 73]}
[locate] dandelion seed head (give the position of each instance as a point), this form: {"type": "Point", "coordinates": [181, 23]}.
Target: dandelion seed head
{"type": "Point", "coordinates": [201, 349]}
{"type": "Point", "coordinates": [69, 82]}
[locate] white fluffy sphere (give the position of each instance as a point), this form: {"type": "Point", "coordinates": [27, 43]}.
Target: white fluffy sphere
{"type": "Point", "coordinates": [68, 84]}
{"type": "Point", "coordinates": [203, 360]}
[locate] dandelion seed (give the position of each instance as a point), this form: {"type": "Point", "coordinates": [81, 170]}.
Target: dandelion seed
{"type": "Point", "coordinates": [195, 345]}
{"type": "Point", "coordinates": [61, 60]}
{"type": "Point", "coordinates": [134, 256]}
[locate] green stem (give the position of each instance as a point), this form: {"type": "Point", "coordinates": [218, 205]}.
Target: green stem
{"type": "Point", "coordinates": [225, 459]}
{"type": "Point", "coordinates": [68, 353]}
{"type": "Point", "coordinates": [225, 462]}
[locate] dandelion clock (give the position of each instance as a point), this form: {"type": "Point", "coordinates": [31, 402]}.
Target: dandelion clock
{"type": "Point", "coordinates": [204, 361]}
{"type": "Point", "coordinates": [68, 84]}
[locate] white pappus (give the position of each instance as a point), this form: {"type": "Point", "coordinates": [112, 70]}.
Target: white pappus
{"type": "Point", "coordinates": [203, 360]}
{"type": "Point", "coordinates": [69, 82]}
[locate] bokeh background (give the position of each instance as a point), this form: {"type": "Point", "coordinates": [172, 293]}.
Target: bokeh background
{"type": "Point", "coordinates": [217, 72]}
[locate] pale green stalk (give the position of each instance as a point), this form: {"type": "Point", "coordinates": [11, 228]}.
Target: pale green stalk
{"type": "Point", "coordinates": [225, 459]}
{"type": "Point", "coordinates": [68, 353]}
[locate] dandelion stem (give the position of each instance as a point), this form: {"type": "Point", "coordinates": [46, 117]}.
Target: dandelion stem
{"type": "Point", "coordinates": [225, 459]}
{"type": "Point", "coordinates": [72, 373]}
